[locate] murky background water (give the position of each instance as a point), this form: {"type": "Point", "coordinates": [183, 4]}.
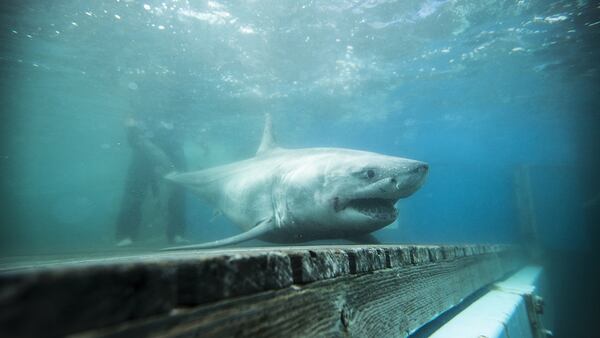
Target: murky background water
{"type": "Point", "coordinates": [501, 98]}
{"type": "Point", "coordinates": [479, 89]}
{"type": "Point", "coordinates": [482, 90]}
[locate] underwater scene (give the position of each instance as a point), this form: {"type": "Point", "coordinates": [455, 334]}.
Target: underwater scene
{"type": "Point", "coordinates": [133, 126]}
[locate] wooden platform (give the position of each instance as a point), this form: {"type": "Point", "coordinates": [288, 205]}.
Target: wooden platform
{"type": "Point", "coordinates": [361, 291]}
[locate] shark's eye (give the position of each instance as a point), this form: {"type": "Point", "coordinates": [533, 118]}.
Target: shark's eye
{"type": "Point", "coordinates": [370, 173]}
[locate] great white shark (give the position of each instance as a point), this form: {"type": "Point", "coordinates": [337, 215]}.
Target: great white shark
{"type": "Point", "coordinates": [298, 195]}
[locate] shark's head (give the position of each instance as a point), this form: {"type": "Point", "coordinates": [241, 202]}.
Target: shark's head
{"type": "Point", "coordinates": [353, 191]}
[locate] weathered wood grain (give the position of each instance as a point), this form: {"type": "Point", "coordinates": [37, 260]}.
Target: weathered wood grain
{"type": "Point", "coordinates": [312, 265]}
{"type": "Point", "coordinates": [202, 281]}
{"type": "Point", "coordinates": [52, 302]}
{"type": "Point", "coordinates": [303, 291]}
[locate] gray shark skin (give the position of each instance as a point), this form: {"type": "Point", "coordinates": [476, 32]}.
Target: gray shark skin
{"type": "Point", "coordinates": [294, 196]}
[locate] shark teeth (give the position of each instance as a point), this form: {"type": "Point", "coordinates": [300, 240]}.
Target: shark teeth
{"type": "Point", "coordinates": [378, 208]}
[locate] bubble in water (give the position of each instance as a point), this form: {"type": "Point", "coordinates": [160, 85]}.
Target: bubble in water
{"type": "Point", "coordinates": [246, 30]}
{"type": "Point", "coordinates": [132, 85]}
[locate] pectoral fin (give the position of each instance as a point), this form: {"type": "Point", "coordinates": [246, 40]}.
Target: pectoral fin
{"type": "Point", "coordinates": [260, 229]}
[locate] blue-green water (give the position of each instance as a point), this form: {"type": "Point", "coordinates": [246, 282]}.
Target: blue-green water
{"type": "Point", "coordinates": [481, 90]}
{"type": "Point", "coordinates": [477, 89]}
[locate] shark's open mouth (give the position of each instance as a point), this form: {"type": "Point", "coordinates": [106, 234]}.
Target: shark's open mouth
{"type": "Point", "coordinates": [379, 208]}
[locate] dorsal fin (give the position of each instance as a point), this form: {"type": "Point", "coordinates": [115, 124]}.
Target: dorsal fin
{"type": "Point", "coordinates": [268, 142]}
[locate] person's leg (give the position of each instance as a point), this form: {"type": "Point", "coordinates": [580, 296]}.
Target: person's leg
{"type": "Point", "coordinates": [176, 199]}
{"type": "Point", "coordinates": [176, 220]}
{"type": "Point", "coordinates": [136, 184]}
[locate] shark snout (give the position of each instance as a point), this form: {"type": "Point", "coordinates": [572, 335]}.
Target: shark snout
{"type": "Point", "coordinates": [400, 183]}
{"type": "Point", "coordinates": [411, 179]}
{"type": "Point", "coordinates": [418, 169]}
{"type": "Point", "coordinates": [422, 168]}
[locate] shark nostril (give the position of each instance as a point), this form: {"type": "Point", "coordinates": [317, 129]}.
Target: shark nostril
{"type": "Point", "coordinates": [421, 169]}
{"type": "Point", "coordinates": [393, 180]}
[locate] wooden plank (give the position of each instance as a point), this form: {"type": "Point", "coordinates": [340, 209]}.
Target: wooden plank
{"type": "Point", "coordinates": [312, 265]}
{"type": "Point", "coordinates": [333, 290]}
{"type": "Point", "coordinates": [68, 300]}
